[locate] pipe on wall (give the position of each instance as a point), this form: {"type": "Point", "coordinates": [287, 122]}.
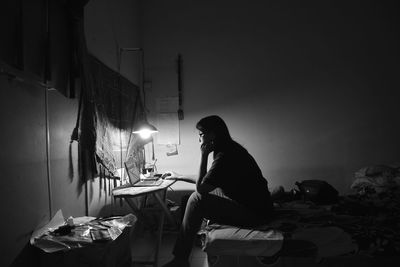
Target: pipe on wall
{"type": "Point", "coordinates": [50, 195]}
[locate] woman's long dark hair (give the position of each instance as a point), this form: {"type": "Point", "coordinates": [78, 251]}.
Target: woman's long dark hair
{"type": "Point", "coordinates": [217, 126]}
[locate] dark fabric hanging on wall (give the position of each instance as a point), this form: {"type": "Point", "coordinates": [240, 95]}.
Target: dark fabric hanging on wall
{"type": "Point", "coordinates": [61, 66]}
{"type": "Point", "coordinates": [36, 42]}
{"type": "Point", "coordinates": [110, 104]}
{"type": "Point", "coordinates": [85, 132]}
{"type": "Point", "coordinates": [23, 36]}
{"type": "Point", "coordinates": [117, 106]}
{"type": "Point", "coordinates": [11, 27]}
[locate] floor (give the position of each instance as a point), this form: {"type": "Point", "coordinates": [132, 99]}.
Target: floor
{"type": "Point", "coordinates": [143, 247]}
{"type": "Point", "coordinates": [144, 237]}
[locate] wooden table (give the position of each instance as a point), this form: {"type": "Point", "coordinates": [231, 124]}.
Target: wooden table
{"type": "Point", "coordinates": [160, 193]}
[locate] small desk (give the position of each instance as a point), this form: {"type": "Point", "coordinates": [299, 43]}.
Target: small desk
{"type": "Point", "coordinates": [160, 194]}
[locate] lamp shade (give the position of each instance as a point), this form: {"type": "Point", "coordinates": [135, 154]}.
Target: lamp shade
{"type": "Point", "coordinates": [144, 129]}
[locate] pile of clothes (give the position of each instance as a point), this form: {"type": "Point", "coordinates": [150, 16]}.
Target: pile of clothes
{"type": "Point", "coordinates": [377, 179]}
{"type": "Point", "coordinates": [376, 202]}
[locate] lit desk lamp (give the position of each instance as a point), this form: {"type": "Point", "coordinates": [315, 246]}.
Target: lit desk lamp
{"type": "Point", "coordinates": [144, 130]}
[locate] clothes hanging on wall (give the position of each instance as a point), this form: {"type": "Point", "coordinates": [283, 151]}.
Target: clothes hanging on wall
{"type": "Point", "coordinates": [106, 120]}
{"type": "Point", "coordinates": [109, 106]}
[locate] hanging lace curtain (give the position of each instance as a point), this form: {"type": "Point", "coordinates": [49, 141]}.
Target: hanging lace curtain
{"type": "Point", "coordinates": [108, 108]}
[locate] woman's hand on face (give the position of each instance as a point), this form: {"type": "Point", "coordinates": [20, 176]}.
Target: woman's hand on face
{"type": "Point", "coordinates": [207, 148]}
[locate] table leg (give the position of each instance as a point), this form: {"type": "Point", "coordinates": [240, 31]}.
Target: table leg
{"type": "Point", "coordinates": [133, 206]}
{"type": "Point", "coordinates": [161, 197]}
{"type": "Point", "coordinates": [161, 201]}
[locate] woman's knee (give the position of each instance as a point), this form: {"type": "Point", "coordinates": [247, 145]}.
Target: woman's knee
{"type": "Point", "coordinates": [203, 200]}
{"type": "Point", "coordinates": [197, 200]}
{"type": "Point", "coordinates": [195, 197]}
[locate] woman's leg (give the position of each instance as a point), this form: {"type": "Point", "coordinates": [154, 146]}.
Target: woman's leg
{"type": "Point", "coordinates": [215, 208]}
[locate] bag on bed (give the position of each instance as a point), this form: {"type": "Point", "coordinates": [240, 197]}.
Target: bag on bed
{"type": "Point", "coordinates": [317, 191]}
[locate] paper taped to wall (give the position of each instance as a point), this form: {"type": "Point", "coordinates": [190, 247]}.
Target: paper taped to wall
{"type": "Point", "coordinates": [168, 127]}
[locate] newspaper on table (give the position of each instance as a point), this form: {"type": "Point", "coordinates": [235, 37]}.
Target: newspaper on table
{"type": "Point", "coordinates": [60, 234]}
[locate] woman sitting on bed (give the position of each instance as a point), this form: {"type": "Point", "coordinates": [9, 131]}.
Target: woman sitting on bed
{"type": "Point", "coordinates": [246, 200]}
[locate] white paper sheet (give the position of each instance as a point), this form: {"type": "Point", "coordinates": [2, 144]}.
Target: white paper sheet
{"type": "Point", "coordinates": [168, 128]}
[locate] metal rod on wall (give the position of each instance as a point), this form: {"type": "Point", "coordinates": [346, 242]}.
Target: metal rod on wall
{"type": "Point", "coordinates": [46, 97]}
{"type": "Point", "coordinates": [179, 71]}
{"type": "Point", "coordinates": [49, 184]}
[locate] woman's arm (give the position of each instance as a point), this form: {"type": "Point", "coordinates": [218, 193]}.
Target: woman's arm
{"type": "Point", "coordinates": [202, 187]}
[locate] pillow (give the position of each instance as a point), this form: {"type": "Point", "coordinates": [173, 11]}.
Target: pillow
{"type": "Point", "coordinates": [376, 170]}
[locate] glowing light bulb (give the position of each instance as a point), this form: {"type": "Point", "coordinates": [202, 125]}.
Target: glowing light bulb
{"type": "Point", "coordinates": [145, 133]}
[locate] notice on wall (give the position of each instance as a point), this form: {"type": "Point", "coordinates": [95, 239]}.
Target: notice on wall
{"type": "Point", "coordinates": [167, 120]}
{"type": "Point", "coordinates": [168, 128]}
{"type": "Point", "coordinates": [172, 150]}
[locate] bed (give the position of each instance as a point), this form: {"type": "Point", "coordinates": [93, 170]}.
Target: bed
{"type": "Point", "coordinates": [359, 229]}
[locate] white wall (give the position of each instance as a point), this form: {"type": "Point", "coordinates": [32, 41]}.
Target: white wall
{"type": "Point", "coordinates": [310, 90]}
{"type": "Point", "coordinates": [23, 179]}
{"type": "Point", "coordinates": [30, 195]}
{"type": "Point", "coordinates": [66, 193]}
